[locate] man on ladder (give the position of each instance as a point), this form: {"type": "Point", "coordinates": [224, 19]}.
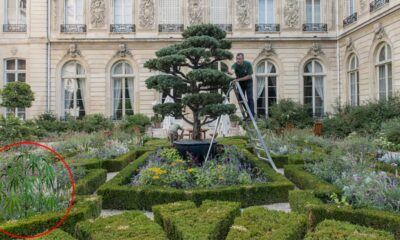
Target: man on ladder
{"type": "Point", "coordinates": [244, 71]}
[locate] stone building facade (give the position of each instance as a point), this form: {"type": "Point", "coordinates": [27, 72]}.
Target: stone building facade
{"type": "Point", "coordinates": [86, 56]}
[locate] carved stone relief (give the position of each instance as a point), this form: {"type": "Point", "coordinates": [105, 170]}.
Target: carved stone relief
{"type": "Point", "coordinates": [123, 51]}
{"type": "Point", "coordinates": [73, 51]}
{"type": "Point", "coordinates": [349, 44]}
{"type": "Point", "coordinates": [267, 51]}
{"type": "Point", "coordinates": [146, 16]}
{"type": "Point", "coordinates": [14, 51]}
{"type": "Point", "coordinates": [97, 13]}
{"type": "Point", "coordinates": [379, 31]}
{"type": "Point", "coordinates": [291, 13]}
{"type": "Point", "coordinates": [316, 50]}
{"type": "Point", "coordinates": [363, 5]}
{"type": "Point", "coordinates": [243, 12]}
{"type": "Point", "coordinates": [196, 11]}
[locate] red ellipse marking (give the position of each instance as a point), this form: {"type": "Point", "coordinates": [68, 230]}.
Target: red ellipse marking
{"type": "Point", "coordinates": [72, 192]}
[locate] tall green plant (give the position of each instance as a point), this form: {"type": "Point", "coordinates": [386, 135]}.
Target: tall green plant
{"type": "Point", "coordinates": [186, 69]}
{"type": "Point", "coordinates": [17, 95]}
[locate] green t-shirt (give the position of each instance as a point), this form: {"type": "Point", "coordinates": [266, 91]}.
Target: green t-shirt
{"type": "Point", "coordinates": [243, 70]}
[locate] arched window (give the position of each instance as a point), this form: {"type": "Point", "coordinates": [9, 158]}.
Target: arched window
{"type": "Point", "coordinates": [73, 92]}
{"type": "Point", "coordinates": [314, 88]}
{"type": "Point", "coordinates": [354, 82]}
{"type": "Point", "coordinates": [266, 91]}
{"type": "Point", "coordinates": [123, 91]}
{"type": "Point", "coordinates": [384, 71]}
{"type": "Point", "coordinates": [15, 70]}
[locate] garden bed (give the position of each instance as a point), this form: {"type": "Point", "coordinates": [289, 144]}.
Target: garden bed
{"type": "Point", "coordinates": [260, 223]}
{"type": "Point", "coordinates": [132, 225]}
{"type": "Point", "coordinates": [335, 230]}
{"type": "Point", "coordinates": [117, 194]}
{"type": "Point", "coordinates": [183, 220]}
{"type": "Point", "coordinates": [84, 208]}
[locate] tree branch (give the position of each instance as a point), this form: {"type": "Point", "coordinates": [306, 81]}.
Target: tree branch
{"type": "Point", "coordinates": [187, 120]}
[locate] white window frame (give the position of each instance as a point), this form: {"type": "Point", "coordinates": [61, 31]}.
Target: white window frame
{"type": "Point", "coordinates": [313, 76]}
{"type": "Point", "coordinates": [76, 9]}
{"type": "Point", "coordinates": [75, 77]}
{"type": "Point", "coordinates": [266, 12]}
{"type": "Point", "coordinates": [313, 12]}
{"type": "Point", "coordinates": [353, 72]}
{"type": "Point", "coordinates": [266, 75]}
{"type": "Point", "coordinates": [351, 7]}
{"type": "Point", "coordinates": [16, 72]}
{"type": "Point", "coordinates": [17, 13]}
{"type": "Point", "coordinates": [124, 77]}
{"type": "Point", "coordinates": [165, 16]}
{"type": "Point", "coordinates": [123, 12]}
{"type": "Point", "coordinates": [386, 62]}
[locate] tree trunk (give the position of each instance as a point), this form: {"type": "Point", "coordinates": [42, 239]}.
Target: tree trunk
{"type": "Point", "coordinates": [196, 127]}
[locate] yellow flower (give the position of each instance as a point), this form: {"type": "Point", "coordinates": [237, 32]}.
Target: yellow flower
{"type": "Point", "coordinates": [219, 166]}
{"type": "Point", "coordinates": [155, 177]}
{"type": "Point", "coordinates": [221, 178]}
{"type": "Point", "coordinates": [191, 170]}
{"type": "Point", "coordinates": [157, 171]}
{"type": "Point", "coordinates": [179, 161]}
{"type": "Point", "coordinates": [173, 164]}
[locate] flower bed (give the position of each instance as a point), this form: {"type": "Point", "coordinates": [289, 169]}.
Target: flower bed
{"type": "Point", "coordinates": [132, 225]}
{"type": "Point", "coordinates": [335, 230]}
{"type": "Point", "coordinates": [259, 223]}
{"type": "Point", "coordinates": [84, 208]}
{"type": "Point", "coordinates": [117, 194]}
{"type": "Point", "coordinates": [58, 235]}
{"type": "Point", "coordinates": [183, 220]}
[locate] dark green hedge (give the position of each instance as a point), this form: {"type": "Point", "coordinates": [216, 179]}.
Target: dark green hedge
{"type": "Point", "coordinates": [183, 220]}
{"type": "Point", "coordinates": [132, 225]}
{"type": "Point", "coordinates": [308, 181]}
{"type": "Point", "coordinates": [335, 230]}
{"type": "Point", "coordinates": [84, 208]}
{"type": "Point", "coordinates": [91, 182]}
{"type": "Point", "coordinates": [118, 195]}
{"type": "Point", "coordinates": [57, 235]}
{"type": "Point", "coordinates": [308, 202]}
{"type": "Point", "coordinates": [111, 165]}
{"type": "Point", "coordinates": [258, 223]}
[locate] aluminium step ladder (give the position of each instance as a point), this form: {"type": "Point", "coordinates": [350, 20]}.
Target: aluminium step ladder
{"type": "Point", "coordinates": [252, 129]}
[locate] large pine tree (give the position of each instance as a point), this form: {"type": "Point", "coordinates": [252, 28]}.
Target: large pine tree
{"type": "Point", "coordinates": [186, 69]}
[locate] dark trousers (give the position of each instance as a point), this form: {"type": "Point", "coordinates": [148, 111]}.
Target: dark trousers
{"type": "Point", "coordinates": [247, 88]}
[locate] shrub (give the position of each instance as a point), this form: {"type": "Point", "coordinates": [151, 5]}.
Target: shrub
{"type": "Point", "coordinates": [95, 123]}
{"type": "Point", "coordinates": [365, 119]}
{"type": "Point", "coordinates": [258, 223]}
{"type": "Point", "coordinates": [93, 180]}
{"type": "Point", "coordinates": [49, 123]}
{"type": "Point", "coordinates": [58, 235]}
{"type": "Point", "coordinates": [132, 225]}
{"type": "Point", "coordinates": [183, 220]}
{"type": "Point", "coordinates": [17, 95]}
{"type": "Point", "coordinates": [137, 120]}
{"type": "Point", "coordinates": [13, 129]}
{"type": "Point", "coordinates": [287, 111]}
{"type": "Point", "coordinates": [335, 230]}
{"type": "Point", "coordinates": [299, 199]}
{"type": "Point", "coordinates": [391, 130]}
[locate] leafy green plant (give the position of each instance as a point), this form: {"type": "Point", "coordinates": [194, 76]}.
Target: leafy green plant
{"type": "Point", "coordinates": [29, 186]}
{"type": "Point", "coordinates": [17, 95]}
{"type": "Point", "coordinates": [137, 120]}
{"type": "Point", "coordinates": [342, 201]}
{"type": "Point", "coordinates": [48, 122]}
{"type": "Point", "coordinates": [391, 130]}
{"type": "Point", "coordinates": [287, 111]}
{"type": "Point", "coordinates": [13, 129]}
{"type": "Point", "coordinates": [95, 123]}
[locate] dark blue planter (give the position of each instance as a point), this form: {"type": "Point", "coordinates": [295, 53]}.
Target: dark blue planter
{"type": "Point", "coordinates": [197, 149]}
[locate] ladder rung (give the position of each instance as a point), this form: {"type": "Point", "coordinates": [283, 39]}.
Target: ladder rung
{"type": "Point", "coordinates": [259, 148]}
{"type": "Point", "coordinates": [263, 158]}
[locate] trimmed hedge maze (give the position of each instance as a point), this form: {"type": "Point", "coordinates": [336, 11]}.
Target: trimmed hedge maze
{"type": "Point", "coordinates": [117, 194]}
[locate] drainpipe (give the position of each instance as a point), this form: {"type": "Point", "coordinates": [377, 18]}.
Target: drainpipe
{"type": "Point", "coordinates": [48, 50]}
{"type": "Point", "coordinates": [338, 55]}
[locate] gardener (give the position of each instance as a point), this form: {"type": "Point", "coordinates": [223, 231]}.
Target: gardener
{"type": "Point", "coordinates": [244, 72]}
{"type": "Point", "coordinates": [173, 132]}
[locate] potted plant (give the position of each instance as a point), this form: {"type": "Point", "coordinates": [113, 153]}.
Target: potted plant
{"type": "Point", "coordinates": [156, 120]}
{"type": "Point", "coordinates": [235, 119]}
{"type": "Point", "coordinates": [186, 70]}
